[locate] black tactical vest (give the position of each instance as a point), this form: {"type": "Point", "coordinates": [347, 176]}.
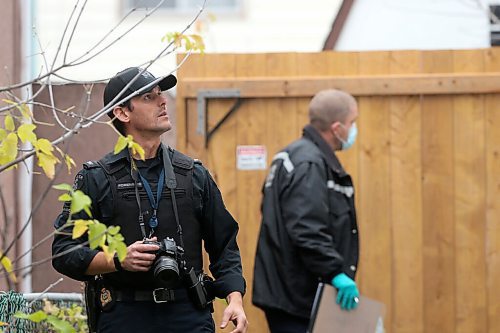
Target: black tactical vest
{"type": "Point", "coordinates": [126, 215]}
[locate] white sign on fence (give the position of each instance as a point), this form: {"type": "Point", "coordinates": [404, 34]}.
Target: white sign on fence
{"type": "Point", "coordinates": [251, 157]}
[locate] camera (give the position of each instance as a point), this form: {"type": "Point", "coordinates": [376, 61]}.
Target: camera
{"type": "Point", "coordinates": [169, 267]}
{"type": "Point", "coordinates": [166, 265]}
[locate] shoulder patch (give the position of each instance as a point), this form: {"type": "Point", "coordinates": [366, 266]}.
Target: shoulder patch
{"type": "Point", "coordinates": [78, 183]}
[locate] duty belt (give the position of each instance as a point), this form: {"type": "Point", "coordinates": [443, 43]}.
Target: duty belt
{"type": "Point", "coordinates": [159, 295]}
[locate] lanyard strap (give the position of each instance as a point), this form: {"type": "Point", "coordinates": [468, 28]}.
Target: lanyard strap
{"type": "Point", "coordinates": [153, 221]}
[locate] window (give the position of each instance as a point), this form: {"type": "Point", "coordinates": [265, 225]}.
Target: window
{"type": "Point", "coordinates": [494, 25]}
{"type": "Point", "coordinates": [185, 6]}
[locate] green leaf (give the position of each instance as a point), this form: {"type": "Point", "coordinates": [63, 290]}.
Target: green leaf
{"type": "Point", "coordinates": [80, 227]}
{"type": "Point", "coordinates": [121, 250]}
{"type": "Point", "coordinates": [25, 133]}
{"type": "Point", "coordinates": [63, 187]}
{"type": "Point", "coordinates": [120, 144]}
{"type": "Point", "coordinates": [97, 235]}
{"type": "Point", "coordinates": [113, 230]}
{"type": "Point", "coordinates": [9, 123]}
{"type": "Point", "coordinates": [64, 197]}
{"type": "Point", "coordinates": [60, 325]}
{"type": "Point", "coordinates": [34, 317]}
{"type": "Point", "coordinates": [80, 202]}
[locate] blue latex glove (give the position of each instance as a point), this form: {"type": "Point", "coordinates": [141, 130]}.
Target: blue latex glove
{"type": "Point", "coordinates": [348, 293]}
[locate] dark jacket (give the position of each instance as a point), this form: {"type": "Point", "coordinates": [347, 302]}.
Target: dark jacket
{"type": "Point", "coordinates": [308, 231]}
{"type": "Point", "coordinates": [202, 215]}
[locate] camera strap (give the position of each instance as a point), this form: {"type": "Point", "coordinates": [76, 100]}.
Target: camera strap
{"type": "Point", "coordinates": [134, 172]}
{"type": "Point", "coordinates": [172, 185]}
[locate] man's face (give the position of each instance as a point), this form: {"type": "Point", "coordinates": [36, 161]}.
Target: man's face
{"type": "Point", "coordinates": [148, 113]}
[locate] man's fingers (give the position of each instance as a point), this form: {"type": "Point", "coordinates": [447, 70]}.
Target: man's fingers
{"type": "Point", "coordinates": [225, 319]}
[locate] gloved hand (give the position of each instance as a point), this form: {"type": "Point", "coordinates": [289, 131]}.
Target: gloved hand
{"type": "Point", "coordinates": [348, 293]}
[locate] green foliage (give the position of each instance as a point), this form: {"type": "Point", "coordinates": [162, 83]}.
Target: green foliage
{"type": "Point", "coordinates": [100, 236]}
{"type": "Point", "coordinates": [59, 319]}
{"type": "Point", "coordinates": [191, 42]}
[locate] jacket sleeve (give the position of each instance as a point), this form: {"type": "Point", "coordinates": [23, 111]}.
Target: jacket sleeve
{"type": "Point", "coordinates": [305, 210]}
{"type": "Point", "coordinates": [71, 257]}
{"type": "Point", "coordinates": [219, 234]}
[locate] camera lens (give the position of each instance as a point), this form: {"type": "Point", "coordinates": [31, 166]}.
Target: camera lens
{"type": "Point", "coordinates": [167, 271]}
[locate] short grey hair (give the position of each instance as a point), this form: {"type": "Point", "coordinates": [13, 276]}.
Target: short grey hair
{"type": "Point", "coordinates": [329, 106]}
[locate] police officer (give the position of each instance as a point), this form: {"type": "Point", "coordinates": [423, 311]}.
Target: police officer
{"type": "Point", "coordinates": [309, 231]}
{"type": "Point", "coordinates": [165, 205]}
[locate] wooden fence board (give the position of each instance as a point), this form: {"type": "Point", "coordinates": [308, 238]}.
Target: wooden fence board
{"type": "Point", "coordinates": [470, 214]}
{"type": "Point", "coordinates": [374, 217]}
{"type": "Point", "coordinates": [438, 207]}
{"type": "Point", "coordinates": [492, 236]}
{"type": "Point", "coordinates": [406, 201]}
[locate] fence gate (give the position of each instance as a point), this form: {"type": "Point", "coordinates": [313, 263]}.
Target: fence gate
{"type": "Point", "coordinates": [426, 167]}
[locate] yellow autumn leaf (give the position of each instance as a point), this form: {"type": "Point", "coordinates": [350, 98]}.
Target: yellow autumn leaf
{"type": "Point", "coordinates": [137, 149]}
{"type": "Point", "coordinates": [25, 133]}
{"type": "Point", "coordinates": [8, 149]}
{"type": "Point", "coordinates": [47, 162]}
{"type": "Point", "coordinates": [44, 145]}
{"type": "Point", "coordinates": [9, 123]}
{"type": "Point", "coordinates": [120, 144]}
{"type": "Point", "coordinates": [7, 264]}
{"type": "Point", "coordinates": [69, 162]}
{"type": "Point", "coordinates": [23, 108]}
{"type": "Point", "coordinates": [80, 227]}
{"type": "Point", "coordinates": [3, 134]}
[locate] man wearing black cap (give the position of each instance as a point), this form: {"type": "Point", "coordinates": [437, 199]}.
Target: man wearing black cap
{"type": "Point", "coordinates": [166, 206]}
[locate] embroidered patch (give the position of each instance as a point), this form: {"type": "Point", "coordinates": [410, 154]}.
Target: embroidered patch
{"type": "Point", "coordinates": [105, 298]}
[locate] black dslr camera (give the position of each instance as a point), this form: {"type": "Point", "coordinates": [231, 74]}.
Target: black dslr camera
{"type": "Point", "coordinates": [170, 267]}
{"type": "Point", "coordinates": [166, 264]}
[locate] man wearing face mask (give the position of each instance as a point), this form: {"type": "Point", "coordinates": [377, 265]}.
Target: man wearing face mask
{"type": "Point", "coordinates": [309, 231]}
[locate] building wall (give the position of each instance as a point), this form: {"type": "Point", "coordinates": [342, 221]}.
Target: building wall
{"type": "Point", "coordinates": [416, 25]}
{"type": "Point", "coordinates": [9, 72]}
{"type": "Point", "coordinates": [259, 26]}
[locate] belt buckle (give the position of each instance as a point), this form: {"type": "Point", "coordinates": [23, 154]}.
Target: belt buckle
{"type": "Point", "coordinates": [157, 299]}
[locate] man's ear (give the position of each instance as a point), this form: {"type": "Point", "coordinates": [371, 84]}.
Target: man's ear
{"type": "Point", "coordinates": [121, 113]}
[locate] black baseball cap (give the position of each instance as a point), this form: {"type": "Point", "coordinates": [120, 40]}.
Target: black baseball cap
{"type": "Point", "coordinates": [145, 79]}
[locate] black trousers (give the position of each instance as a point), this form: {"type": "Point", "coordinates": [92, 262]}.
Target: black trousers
{"type": "Point", "coordinates": [282, 322]}
{"type": "Point", "coordinates": [150, 317]}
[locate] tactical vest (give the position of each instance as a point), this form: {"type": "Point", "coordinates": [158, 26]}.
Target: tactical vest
{"type": "Point", "coordinates": [126, 215]}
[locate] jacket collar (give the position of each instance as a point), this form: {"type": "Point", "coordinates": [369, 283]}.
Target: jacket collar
{"type": "Point", "coordinates": [310, 133]}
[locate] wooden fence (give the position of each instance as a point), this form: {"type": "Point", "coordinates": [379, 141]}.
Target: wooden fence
{"type": "Point", "coordinates": [426, 167]}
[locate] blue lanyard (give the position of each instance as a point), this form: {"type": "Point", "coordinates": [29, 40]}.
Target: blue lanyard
{"type": "Point", "coordinates": [153, 221]}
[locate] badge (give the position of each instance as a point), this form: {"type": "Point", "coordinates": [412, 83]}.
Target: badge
{"type": "Point", "coordinates": [106, 299]}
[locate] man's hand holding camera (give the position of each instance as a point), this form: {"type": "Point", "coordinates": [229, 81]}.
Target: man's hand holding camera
{"type": "Point", "coordinates": [140, 256]}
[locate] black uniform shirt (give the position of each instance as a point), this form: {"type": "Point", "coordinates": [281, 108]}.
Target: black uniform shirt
{"type": "Point", "coordinates": [219, 227]}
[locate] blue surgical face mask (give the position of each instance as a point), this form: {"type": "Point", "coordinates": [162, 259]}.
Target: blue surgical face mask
{"type": "Point", "coordinates": [351, 137]}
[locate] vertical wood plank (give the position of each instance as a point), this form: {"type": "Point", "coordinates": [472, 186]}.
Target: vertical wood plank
{"type": "Point", "coordinates": [406, 201]}
{"type": "Point", "coordinates": [186, 109]}
{"type": "Point", "coordinates": [469, 165]}
{"type": "Point", "coordinates": [492, 233]}
{"type": "Point", "coordinates": [374, 176]}
{"type": "Point", "coordinates": [251, 129]}
{"type": "Point", "coordinates": [438, 190]}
